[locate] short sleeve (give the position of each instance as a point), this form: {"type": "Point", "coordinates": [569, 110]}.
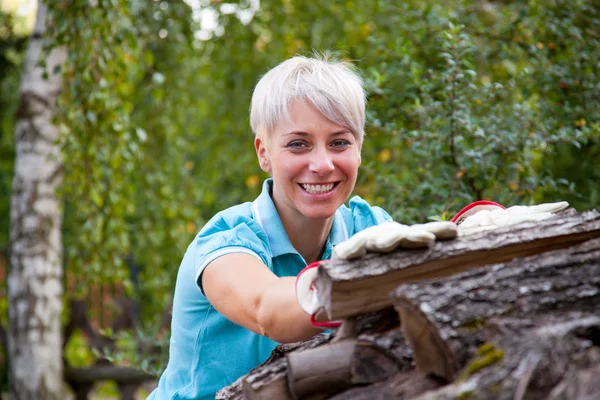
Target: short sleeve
{"type": "Point", "coordinates": [365, 215]}
{"type": "Point", "coordinates": [220, 237]}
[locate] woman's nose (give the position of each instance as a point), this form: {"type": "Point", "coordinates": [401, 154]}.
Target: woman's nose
{"type": "Point", "coordinates": [321, 162]}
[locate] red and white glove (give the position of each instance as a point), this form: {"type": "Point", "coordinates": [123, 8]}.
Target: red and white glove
{"type": "Point", "coordinates": [307, 295]}
{"type": "Point", "coordinates": [485, 215]}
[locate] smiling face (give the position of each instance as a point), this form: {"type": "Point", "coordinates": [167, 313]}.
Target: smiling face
{"type": "Point", "coordinates": [314, 163]}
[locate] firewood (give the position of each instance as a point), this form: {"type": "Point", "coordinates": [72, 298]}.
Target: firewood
{"type": "Point", "coordinates": [444, 320]}
{"type": "Point", "coordinates": [347, 288]}
{"type": "Point", "coordinates": [323, 371]}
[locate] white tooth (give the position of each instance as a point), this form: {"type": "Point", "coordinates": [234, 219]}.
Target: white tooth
{"type": "Point", "coordinates": [318, 188]}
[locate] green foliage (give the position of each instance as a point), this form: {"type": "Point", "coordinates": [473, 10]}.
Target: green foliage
{"type": "Point", "coordinates": [77, 351]}
{"type": "Point", "coordinates": [144, 349]}
{"type": "Point", "coordinates": [11, 58]}
{"type": "Point", "coordinates": [128, 188]}
{"type": "Point", "coordinates": [466, 102]}
{"type": "Point", "coordinates": [474, 111]}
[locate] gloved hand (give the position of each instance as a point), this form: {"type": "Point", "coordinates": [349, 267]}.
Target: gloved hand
{"type": "Point", "coordinates": [306, 294]}
{"type": "Point", "coordinates": [494, 215]}
{"type": "Point", "coordinates": [389, 236]}
{"type": "Point", "coordinates": [381, 239]}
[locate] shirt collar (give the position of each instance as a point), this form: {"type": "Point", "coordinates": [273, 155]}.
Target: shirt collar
{"type": "Point", "coordinates": [266, 215]}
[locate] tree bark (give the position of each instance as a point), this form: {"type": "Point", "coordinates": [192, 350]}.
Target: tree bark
{"type": "Point", "coordinates": [446, 320]}
{"type": "Point", "coordinates": [35, 276]}
{"type": "Point", "coordinates": [346, 288]}
{"type": "Point", "coordinates": [549, 357]}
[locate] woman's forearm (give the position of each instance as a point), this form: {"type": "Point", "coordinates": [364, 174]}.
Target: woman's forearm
{"type": "Point", "coordinates": [279, 315]}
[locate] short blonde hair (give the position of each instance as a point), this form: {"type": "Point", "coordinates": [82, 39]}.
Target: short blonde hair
{"type": "Point", "coordinates": [332, 87]}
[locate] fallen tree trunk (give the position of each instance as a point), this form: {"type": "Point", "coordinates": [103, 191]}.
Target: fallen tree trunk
{"type": "Point", "coordinates": [347, 288]}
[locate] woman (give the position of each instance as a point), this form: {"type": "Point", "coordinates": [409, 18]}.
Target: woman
{"type": "Point", "coordinates": [235, 298]}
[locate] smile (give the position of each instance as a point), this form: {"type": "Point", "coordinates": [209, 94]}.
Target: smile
{"type": "Point", "coordinates": [318, 189]}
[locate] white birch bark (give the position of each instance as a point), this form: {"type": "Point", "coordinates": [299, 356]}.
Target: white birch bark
{"type": "Point", "coordinates": [35, 276]}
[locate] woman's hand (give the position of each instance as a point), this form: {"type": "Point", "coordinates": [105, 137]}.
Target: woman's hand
{"type": "Point", "coordinates": [389, 236]}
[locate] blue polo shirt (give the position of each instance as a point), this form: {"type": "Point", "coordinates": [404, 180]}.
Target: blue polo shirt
{"type": "Point", "coordinates": [208, 351]}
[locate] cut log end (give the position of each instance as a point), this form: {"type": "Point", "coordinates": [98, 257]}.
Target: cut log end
{"type": "Point", "coordinates": [431, 353]}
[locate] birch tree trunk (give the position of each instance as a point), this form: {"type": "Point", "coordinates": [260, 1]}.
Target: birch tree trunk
{"type": "Point", "coordinates": [35, 276]}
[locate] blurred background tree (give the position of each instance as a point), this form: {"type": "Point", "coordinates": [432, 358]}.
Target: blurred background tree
{"type": "Point", "coordinates": [467, 100]}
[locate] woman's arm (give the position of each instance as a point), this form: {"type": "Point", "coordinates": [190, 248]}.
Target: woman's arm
{"type": "Point", "coordinates": [245, 291]}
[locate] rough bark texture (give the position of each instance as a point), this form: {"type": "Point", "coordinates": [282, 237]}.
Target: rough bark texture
{"type": "Point", "coordinates": [446, 320]}
{"type": "Point", "coordinates": [35, 276]}
{"type": "Point", "coordinates": [347, 288]}
{"type": "Point", "coordinates": [548, 357]}
{"type": "Point", "coordinates": [524, 329]}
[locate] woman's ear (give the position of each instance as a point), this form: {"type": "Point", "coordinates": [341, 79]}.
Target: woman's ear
{"type": "Point", "coordinates": [262, 152]}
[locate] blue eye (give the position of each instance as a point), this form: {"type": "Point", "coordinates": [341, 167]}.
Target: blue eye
{"type": "Point", "coordinates": [297, 145]}
{"type": "Point", "coordinates": [340, 143]}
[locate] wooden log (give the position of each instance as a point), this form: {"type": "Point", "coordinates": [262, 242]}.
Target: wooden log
{"type": "Point", "coordinates": [579, 385]}
{"type": "Point", "coordinates": [273, 372]}
{"type": "Point", "coordinates": [347, 288]}
{"type": "Point", "coordinates": [548, 360]}
{"type": "Point", "coordinates": [556, 354]}
{"type": "Point", "coordinates": [404, 385]}
{"type": "Point", "coordinates": [445, 321]}
{"type": "Point", "coordinates": [268, 380]}
{"type": "Point", "coordinates": [323, 371]}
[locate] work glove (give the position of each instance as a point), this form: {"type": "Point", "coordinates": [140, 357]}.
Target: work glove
{"type": "Point", "coordinates": [306, 294]}
{"type": "Point", "coordinates": [485, 215]}
{"type": "Point", "coordinates": [389, 236]}
{"type": "Point", "coordinates": [382, 238]}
